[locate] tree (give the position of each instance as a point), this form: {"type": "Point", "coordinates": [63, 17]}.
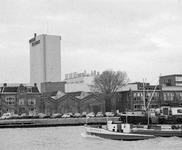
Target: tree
{"type": "Point", "coordinates": [108, 83]}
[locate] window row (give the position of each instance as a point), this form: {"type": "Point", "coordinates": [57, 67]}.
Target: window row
{"type": "Point", "coordinates": [10, 100]}
{"type": "Point", "coordinates": [139, 96]}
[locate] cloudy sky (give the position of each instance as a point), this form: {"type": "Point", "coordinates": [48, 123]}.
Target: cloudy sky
{"type": "Point", "coordinates": [141, 37]}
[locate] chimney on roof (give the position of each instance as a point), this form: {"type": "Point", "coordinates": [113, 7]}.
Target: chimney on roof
{"type": "Point", "coordinates": [35, 35]}
{"type": "Point", "coordinates": [35, 84]}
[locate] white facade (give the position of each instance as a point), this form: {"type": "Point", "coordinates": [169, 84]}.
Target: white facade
{"type": "Point", "coordinates": [77, 87]}
{"type": "Point", "coordinates": [45, 59]}
{"type": "Point", "coordinates": [79, 84]}
{"type": "Point", "coordinates": [79, 81]}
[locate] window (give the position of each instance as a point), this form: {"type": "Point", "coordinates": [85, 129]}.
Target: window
{"type": "Point", "coordinates": [179, 96]}
{"type": "Point", "coordinates": [21, 101]}
{"type": "Point", "coordinates": [31, 101]}
{"type": "Point", "coordinates": [137, 107]}
{"type": "Point", "coordinates": [29, 89]}
{"type": "Point", "coordinates": [138, 96]}
{"type": "Point", "coordinates": [179, 110]}
{"type": "Point", "coordinates": [10, 100]}
{"type": "Point", "coordinates": [178, 84]}
{"type": "Point", "coordinates": [178, 78]}
{"type": "Point", "coordinates": [168, 96]}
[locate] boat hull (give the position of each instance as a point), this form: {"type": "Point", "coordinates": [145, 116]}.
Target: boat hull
{"type": "Point", "coordinates": [103, 133]}
{"type": "Point", "coordinates": [159, 133]}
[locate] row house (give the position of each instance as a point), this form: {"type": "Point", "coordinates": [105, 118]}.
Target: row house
{"type": "Point", "coordinates": [20, 99]}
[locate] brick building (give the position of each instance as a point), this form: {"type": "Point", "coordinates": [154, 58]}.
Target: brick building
{"type": "Point", "coordinates": [59, 102]}
{"type": "Point", "coordinates": [20, 99]}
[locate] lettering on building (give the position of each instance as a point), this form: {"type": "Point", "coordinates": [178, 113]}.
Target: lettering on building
{"type": "Point", "coordinates": [35, 43]}
{"type": "Point", "coordinates": [32, 40]}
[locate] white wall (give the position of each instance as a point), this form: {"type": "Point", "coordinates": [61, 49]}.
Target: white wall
{"type": "Point", "coordinates": [77, 87]}
{"type": "Point", "coordinates": [45, 60]}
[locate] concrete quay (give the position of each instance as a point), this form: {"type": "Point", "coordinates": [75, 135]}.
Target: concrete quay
{"type": "Point", "coordinates": [48, 122]}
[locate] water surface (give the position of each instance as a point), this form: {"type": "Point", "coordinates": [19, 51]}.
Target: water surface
{"type": "Point", "coordinates": [74, 138]}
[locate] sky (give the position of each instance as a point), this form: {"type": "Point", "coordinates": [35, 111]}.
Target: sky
{"type": "Point", "coordinates": [141, 37]}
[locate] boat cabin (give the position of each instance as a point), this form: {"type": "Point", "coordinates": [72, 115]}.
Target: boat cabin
{"type": "Point", "coordinates": [118, 127]}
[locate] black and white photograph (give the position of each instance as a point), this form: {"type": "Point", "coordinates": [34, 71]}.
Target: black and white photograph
{"type": "Point", "coordinates": [91, 74]}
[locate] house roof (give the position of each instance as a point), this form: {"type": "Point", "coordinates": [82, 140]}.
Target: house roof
{"type": "Point", "coordinates": [9, 89]}
{"type": "Point", "coordinates": [15, 89]}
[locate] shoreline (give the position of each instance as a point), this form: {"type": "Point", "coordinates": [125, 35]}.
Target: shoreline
{"type": "Point", "coordinates": [49, 122]}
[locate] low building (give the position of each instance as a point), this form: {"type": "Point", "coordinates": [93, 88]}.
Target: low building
{"type": "Point", "coordinates": [59, 102]}
{"type": "Point", "coordinates": [20, 99]}
{"type": "Point", "coordinates": [90, 102]}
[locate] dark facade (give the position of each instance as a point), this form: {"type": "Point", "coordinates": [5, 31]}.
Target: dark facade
{"type": "Point", "coordinates": [59, 102]}
{"type": "Point", "coordinates": [20, 99]}
{"type": "Point", "coordinates": [52, 86]}
{"type": "Point", "coordinates": [92, 103]}
{"type": "Point", "coordinates": [171, 80]}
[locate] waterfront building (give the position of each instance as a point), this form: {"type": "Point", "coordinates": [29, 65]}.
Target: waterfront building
{"type": "Point", "coordinates": [20, 99]}
{"type": "Point", "coordinates": [136, 96]}
{"type": "Point", "coordinates": [171, 80]}
{"type": "Point", "coordinates": [59, 102]}
{"type": "Point", "coordinates": [90, 102]}
{"type": "Point", "coordinates": [45, 59]}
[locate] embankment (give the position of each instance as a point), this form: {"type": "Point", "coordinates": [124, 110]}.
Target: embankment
{"type": "Point", "coordinates": [28, 123]}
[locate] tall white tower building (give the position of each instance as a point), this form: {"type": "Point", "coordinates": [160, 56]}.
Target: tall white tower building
{"type": "Point", "coordinates": [45, 59]}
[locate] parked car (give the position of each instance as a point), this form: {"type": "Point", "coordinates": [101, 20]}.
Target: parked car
{"type": "Point", "coordinates": [6, 116]}
{"type": "Point", "coordinates": [15, 116]}
{"type": "Point", "coordinates": [24, 115]}
{"type": "Point", "coordinates": [57, 115]}
{"type": "Point", "coordinates": [99, 114]}
{"type": "Point", "coordinates": [109, 114]}
{"type": "Point", "coordinates": [84, 114]}
{"type": "Point", "coordinates": [71, 114]}
{"type": "Point", "coordinates": [91, 114]}
{"type": "Point", "coordinates": [66, 115]}
{"type": "Point", "coordinates": [77, 115]}
{"type": "Point", "coordinates": [41, 115]}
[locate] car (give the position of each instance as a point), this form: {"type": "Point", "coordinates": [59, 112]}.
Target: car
{"type": "Point", "coordinates": [109, 114]}
{"type": "Point", "coordinates": [15, 116]}
{"type": "Point", "coordinates": [99, 114]}
{"type": "Point", "coordinates": [41, 115]}
{"type": "Point", "coordinates": [77, 115]}
{"type": "Point", "coordinates": [71, 114]}
{"type": "Point", "coordinates": [66, 115]}
{"type": "Point", "coordinates": [84, 114]}
{"type": "Point", "coordinates": [91, 114]}
{"type": "Point", "coordinates": [23, 115]}
{"type": "Point", "coordinates": [56, 115]}
{"type": "Point", "coordinates": [6, 116]}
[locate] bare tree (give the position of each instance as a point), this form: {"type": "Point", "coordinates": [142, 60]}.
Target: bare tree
{"type": "Point", "coordinates": [108, 83]}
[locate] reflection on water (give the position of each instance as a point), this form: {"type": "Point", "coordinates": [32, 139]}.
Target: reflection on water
{"type": "Point", "coordinates": [75, 138]}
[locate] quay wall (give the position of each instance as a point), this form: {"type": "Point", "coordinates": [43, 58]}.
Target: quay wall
{"type": "Point", "coordinates": [54, 122]}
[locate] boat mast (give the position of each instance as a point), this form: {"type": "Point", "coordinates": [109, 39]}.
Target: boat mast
{"type": "Point", "coordinates": [151, 99]}
{"type": "Point", "coordinates": [144, 108]}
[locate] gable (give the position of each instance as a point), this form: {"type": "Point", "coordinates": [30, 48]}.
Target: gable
{"type": "Point", "coordinates": [57, 95]}
{"type": "Point", "coordinates": [83, 95]}
{"type": "Point", "coordinates": [92, 97]}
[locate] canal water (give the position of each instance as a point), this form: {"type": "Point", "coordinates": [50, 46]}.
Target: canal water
{"type": "Point", "coordinates": [74, 138]}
